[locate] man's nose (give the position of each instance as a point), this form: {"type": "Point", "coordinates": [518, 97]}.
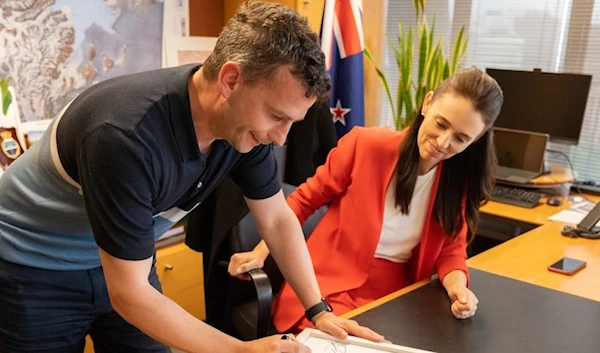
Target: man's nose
{"type": "Point", "coordinates": [279, 135]}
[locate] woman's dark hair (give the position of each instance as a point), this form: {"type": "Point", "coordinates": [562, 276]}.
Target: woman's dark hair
{"type": "Point", "coordinates": [468, 174]}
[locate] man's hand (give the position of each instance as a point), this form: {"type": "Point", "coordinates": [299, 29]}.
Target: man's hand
{"type": "Point", "coordinates": [341, 328]}
{"type": "Point", "coordinates": [464, 302]}
{"type": "Point", "coordinates": [242, 262]}
{"type": "Point", "coordinates": [275, 344]}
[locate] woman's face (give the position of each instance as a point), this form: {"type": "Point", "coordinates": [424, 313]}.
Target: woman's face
{"type": "Point", "coordinates": [451, 124]}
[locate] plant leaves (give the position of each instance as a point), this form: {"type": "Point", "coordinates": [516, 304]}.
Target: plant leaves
{"type": "Point", "coordinates": [6, 95]}
{"type": "Point", "coordinates": [433, 65]}
{"type": "Point", "coordinates": [456, 52]}
{"type": "Point", "coordinates": [6, 103]}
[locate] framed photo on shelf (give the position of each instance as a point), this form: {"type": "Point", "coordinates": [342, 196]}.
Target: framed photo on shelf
{"type": "Point", "coordinates": [187, 50]}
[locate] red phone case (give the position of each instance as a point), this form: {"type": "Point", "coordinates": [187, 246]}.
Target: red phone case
{"type": "Point", "coordinates": [568, 273]}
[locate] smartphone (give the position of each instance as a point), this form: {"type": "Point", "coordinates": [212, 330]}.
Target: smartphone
{"type": "Point", "coordinates": [567, 266]}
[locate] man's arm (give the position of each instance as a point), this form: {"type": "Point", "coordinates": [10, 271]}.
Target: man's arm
{"type": "Point", "coordinates": [140, 304]}
{"type": "Point", "coordinates": [281, 230]}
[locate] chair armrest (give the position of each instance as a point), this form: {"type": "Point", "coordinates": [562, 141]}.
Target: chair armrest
{"type": "Point", "coordinates": [264, 298]}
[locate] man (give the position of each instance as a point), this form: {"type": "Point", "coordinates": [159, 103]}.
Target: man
{"type": "Point", "coordinates": [80, 211]}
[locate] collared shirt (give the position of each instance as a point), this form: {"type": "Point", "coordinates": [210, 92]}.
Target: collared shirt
{"type": "Point", "coordinates": [116, 169]}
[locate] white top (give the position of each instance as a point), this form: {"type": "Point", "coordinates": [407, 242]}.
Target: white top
{"type": "Point", "coordinates": [400, 233]}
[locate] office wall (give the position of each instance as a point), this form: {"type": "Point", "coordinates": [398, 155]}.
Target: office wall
{"type": "Point", "coordinates": [207, 17]}
{"type": "Point", "coordinates": [374, 23]}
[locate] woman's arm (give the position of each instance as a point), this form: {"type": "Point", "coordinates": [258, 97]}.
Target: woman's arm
{"type": "Point", "coordinates": [330, 180]}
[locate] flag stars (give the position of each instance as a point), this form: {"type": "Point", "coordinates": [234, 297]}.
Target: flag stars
{"type": "Point", "coordinates": [338, 112]}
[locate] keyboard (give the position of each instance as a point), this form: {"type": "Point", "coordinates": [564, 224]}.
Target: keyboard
{"type": "Point", "coordinates": [515, 175]}
{"type": "Point", "coordinates": [516, 196]}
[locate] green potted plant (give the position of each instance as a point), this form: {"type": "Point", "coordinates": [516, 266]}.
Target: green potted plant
{"type": "Point", "coordinates": [6, 96]}
{"type": "Point", "coordinates": [433, 66]}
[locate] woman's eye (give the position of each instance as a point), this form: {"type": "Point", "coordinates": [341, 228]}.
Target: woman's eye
{"type": "Point", "coordinates": [440, 125]}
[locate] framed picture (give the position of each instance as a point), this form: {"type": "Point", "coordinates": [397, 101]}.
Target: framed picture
{"type": "Point", "coordinates": [321, 342]}
{"type": "Point", "coordinates": [188, 50]}
{"type": "Point", "coordinates": [176, 18]}
{"type": "Point", "coordinates": [30, 132]}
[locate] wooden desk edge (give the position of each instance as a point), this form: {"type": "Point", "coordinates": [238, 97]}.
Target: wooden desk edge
{"type": "Point", "coordinates": [385, 299]}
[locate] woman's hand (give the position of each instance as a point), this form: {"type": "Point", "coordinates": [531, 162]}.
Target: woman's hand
{"type": "Point", "coordinates": [242, 262]}
{"type": "Point", "coordinates": [464, 302]}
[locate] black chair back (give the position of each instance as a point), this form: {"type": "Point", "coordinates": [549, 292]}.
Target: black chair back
{"type": "Point", "coordinates": [250, 301]}
{"type": "Point", "coordinates": [245, 236]}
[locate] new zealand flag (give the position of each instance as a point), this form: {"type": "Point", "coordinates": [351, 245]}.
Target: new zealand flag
{"type": "Point", "coordinates": [343, 44]}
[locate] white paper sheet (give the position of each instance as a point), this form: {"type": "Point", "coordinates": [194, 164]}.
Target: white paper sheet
{"type": "Point", "coordinates": [320, 342]}
{"type": "Point", "coordinates": [574, 214]}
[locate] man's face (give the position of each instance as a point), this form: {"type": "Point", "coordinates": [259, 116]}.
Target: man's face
{"type": "Point", "coordinates": [263, 112]}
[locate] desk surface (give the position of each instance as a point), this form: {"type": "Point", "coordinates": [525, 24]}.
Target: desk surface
{"type": "Point", "coordinates": [513, 316]}
{"type": "Point", "coordinates": [558, 175]}
{"type": "Point", "coordinates": [518, 312]}
{"type": "Point", "coordinates": [527, 257]}
{"type": "Point", "coordinates": [535, 215]}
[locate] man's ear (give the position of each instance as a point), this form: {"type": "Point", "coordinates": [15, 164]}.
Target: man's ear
{"type": "Point", "coordinates": [427, 102]}
{"type": "Point", "coordinates": [230, 78]}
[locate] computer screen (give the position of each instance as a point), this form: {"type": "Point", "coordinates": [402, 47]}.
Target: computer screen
{"type": "Point", "coordinates": [520, 149]}
{"type": "Point", "coordinates": [543, 102]}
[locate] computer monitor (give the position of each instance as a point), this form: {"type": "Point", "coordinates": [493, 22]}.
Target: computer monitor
{"type": "Point", "coordinates": [523, 150]}
{"type": "Point", "coordinates": [543, 102]}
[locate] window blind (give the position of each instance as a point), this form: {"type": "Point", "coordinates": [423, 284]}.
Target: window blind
{"type": "Point", "coordinates": [404, 12]}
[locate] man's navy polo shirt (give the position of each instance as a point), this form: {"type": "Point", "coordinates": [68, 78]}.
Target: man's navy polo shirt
{"type": "Point", "coordinates": [116, 169]}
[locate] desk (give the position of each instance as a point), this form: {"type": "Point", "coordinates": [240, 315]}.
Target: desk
{"type": "Point", "coordinates": [523, 307]}
{"type": "Point", "coordinates": [536, 215]}
{"type": "Point", "coordinates": [527, 257]}
{"type": "Point", "coordinates": [514, 316]}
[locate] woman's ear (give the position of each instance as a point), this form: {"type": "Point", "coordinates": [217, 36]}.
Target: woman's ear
{"type": "Point", "coordinates": [427, 102]}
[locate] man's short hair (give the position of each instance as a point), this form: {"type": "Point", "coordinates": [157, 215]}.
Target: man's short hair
{"type": "Point", "coordinates": [261, 37]}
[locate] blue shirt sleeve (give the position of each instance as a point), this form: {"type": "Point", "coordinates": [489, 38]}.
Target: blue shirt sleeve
{"type": "Point", "coordinates": [117, 179]}
{"type": "Point", "coordinates": [256, 173]}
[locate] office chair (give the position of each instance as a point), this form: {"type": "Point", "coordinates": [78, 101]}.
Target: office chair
{"type": "Point", "coordinates": [248, 309]}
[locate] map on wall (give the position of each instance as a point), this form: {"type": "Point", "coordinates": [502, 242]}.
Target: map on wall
{"type": "Point", "coordinates": [52, 50]}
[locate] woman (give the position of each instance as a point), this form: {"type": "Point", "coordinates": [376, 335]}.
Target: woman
{"type": "Point", "coordinates": [401, 204]}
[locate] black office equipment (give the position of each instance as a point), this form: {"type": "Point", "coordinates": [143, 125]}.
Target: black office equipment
{"type": "Point", "coordinates": [554, 201]}
{"type": "Point", "coordinates": [589, 222]}
{"type": "Point", "coordinates": [587, 227]}
{"type": "Point", "coordinates": [520, 154]}
{"type": "Point", "coordinates": [512, 316]}
{"type": "Point", "coordinates": [586, 187]}
{"type": "Point", "coordinates": [552, 103]}
{"type": "Point", "coordinates": [516, 196]}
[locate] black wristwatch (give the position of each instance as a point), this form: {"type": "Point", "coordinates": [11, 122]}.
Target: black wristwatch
{"type": "Point", "coordinates": [318, 308]}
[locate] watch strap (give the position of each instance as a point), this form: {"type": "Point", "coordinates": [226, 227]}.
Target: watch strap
{"type": "Point", "coordinates": [318, 308]}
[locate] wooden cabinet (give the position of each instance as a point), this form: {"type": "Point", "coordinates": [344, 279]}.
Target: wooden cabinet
{"type": "Point", "coordinates": [180, 271]}
{"type": "Point", "coordinates": [313, 9]}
